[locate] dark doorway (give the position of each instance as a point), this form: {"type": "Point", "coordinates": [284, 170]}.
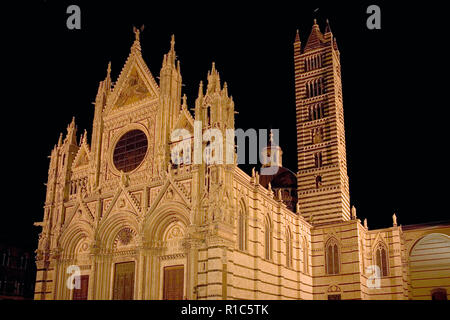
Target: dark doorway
{"type": "Point", "coordinates": [173, 283]}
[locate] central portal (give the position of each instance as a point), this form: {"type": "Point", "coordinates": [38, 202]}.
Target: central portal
{"type": "Point", "coordinates": [173, 283]}
{"type": "Point", "coordinates": [124, 281]}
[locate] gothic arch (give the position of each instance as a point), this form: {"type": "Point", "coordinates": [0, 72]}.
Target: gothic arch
{"type": "Point", "coordinates": [305, 258]}
{"type": "Point", "coordinates": [72, 236]}
{"type": "Point", "coordinates": [429, 255]}
{"type": "Point", "coordinates": [332, 256]}
{"type": "Point", "coordinates": [380, 257]}
{"type": "Point", "coordinates": [421, 237]}
{"type": "Point", "coordinates": [289, 249]}
{"type": "Point", "coordinates": [242, 225]}
{"type": "Point", "coordinates": [268, 237]}
{"type": "Point", "coordinates": [154, 226]}
{"type": "Point", "coordinates": [109, 229]}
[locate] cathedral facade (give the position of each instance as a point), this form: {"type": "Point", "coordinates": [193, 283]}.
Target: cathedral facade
{"type": "Point", "coordinates": [123, 221]}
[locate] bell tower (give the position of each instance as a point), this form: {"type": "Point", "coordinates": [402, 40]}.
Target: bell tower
{"type": "Point", "coordinates": [323, 188]}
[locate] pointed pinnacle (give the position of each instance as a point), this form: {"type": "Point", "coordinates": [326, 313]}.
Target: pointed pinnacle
{"type": "Point", "coordinates": [327, 27]}
{"type": "Point", "coordinates": [172, 43]}
{"type": "Point", "coordinates": [85, 136]}
{"type": "Point", "coordinates": [72, 124]}
{"type": "Point", "coordinates": [107, 82]}
{"type": "Point", "coordinates": [225, 89]}
{"type": "Point", "coordinates": [200, 89]}
{"type": "Point", "coordinates": [60, 139]}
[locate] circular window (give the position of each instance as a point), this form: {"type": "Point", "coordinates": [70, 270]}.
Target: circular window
{"type": "Point", "coordinates": [130, 150]}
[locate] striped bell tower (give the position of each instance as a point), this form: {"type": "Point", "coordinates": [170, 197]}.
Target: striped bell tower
{"type": "Point", "coordinates": [323, 192]}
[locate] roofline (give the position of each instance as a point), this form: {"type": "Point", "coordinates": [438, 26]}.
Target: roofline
{"type": "Point", "coordinates": [426, 224]}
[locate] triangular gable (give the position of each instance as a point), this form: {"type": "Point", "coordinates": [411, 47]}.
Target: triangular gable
{"type": "Point", "coordinates": [172, 191]}
{"type": "Point", "coordinates": [82, 157]}
{"type": "Point", "coordinates": [379, 238]}
{"type": "Point", "coordinates": [185, 120]}
{"type": "Point", "coordinates": [86, 214]}
{"type": "Point", "coordinates": [135, 83]}
{"type": "Point", "coordinates": [123, 201]}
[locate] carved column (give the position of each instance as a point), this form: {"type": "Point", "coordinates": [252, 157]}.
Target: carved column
{"type": "Point", "coordinates": [191, 252]}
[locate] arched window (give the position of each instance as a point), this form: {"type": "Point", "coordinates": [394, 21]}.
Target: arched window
{"type": "Point", "coordinates": [242, 228]}
{"type": "Point", "coordinates": [381, 259]}
{"type": "Point", "coordinates": [318, 181]}
{"type": "Point", "coordinates": [317, 135]}
{"type": "Point", "coordinates": [288, 248]}
{"type": "Point", "coordinates": [332, 257]}
{"type": "Point", "coordinates": [318, 159]}
{"type": "Point", "coordinates": [439, 294]}
{"type": "Point", "coordinates": [267, 239]}
{"type": "Point", "coordinates": [208, 116]}
{"type": "Point", "coordinates": [305, 257]}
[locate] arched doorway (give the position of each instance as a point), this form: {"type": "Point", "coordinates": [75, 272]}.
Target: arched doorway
{"type": "Point", "coordinates": [173, 262]}
{"type": "Point", "coordinates": [429, 266]}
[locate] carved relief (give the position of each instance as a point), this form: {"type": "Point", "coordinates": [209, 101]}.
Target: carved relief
{"type": "Point", "coordinates": [124, 237]}
{"type": "Point", "coordinates": [135, 90]}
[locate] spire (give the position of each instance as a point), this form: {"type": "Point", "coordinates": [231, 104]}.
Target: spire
{"type": "Point", "coordinates": [108, 78]}
{"type": "Point", "coordinates": [171, 55]}
{"type": "Point", "coordinates": [199, 103]}
{"type": "Point", "coordinates": [335, 44]}
{"type": "Point", "coordinates": [72, 132]}
{"type": "Point", "coordinates": [60, 139]}
{"type": "Point", "coordinates": [200, 89]}
{"type": "Point", "coordinates": [84, 137]}
{"type": "Point", "coordinates": [172, 43]}
{"type": "Point", "coordinates": [327, 27]}
{"type": "Point", "coordinates": [213, 80]}
{"type": "Point", "coordinates": [272, 153]}
{"type": "Point", "coordinates": [108, 71]}
{"type": "Point", "coordinates": [225, 89]}
{"type": "Point", "coordinates": [297, 49]}
{"type": "Point", "coordinates": [315, 38]}
{"type": "Point", "coordinates": [71, 125]}
{"type": "Point", "coordinates": [184, 105]}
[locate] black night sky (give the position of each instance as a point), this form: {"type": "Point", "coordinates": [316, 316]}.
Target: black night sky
{"type": "Point", "coordinates": [393, 93]}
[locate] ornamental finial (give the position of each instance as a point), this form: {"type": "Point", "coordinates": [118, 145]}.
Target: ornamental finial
{"type": "Point", "coordinates": [136, 33]}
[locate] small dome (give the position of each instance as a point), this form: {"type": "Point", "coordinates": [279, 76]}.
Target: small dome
{"type": "Point", "coordinates": [285, 181]}
{"type": "Point", "coordinates": [284, 178]}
